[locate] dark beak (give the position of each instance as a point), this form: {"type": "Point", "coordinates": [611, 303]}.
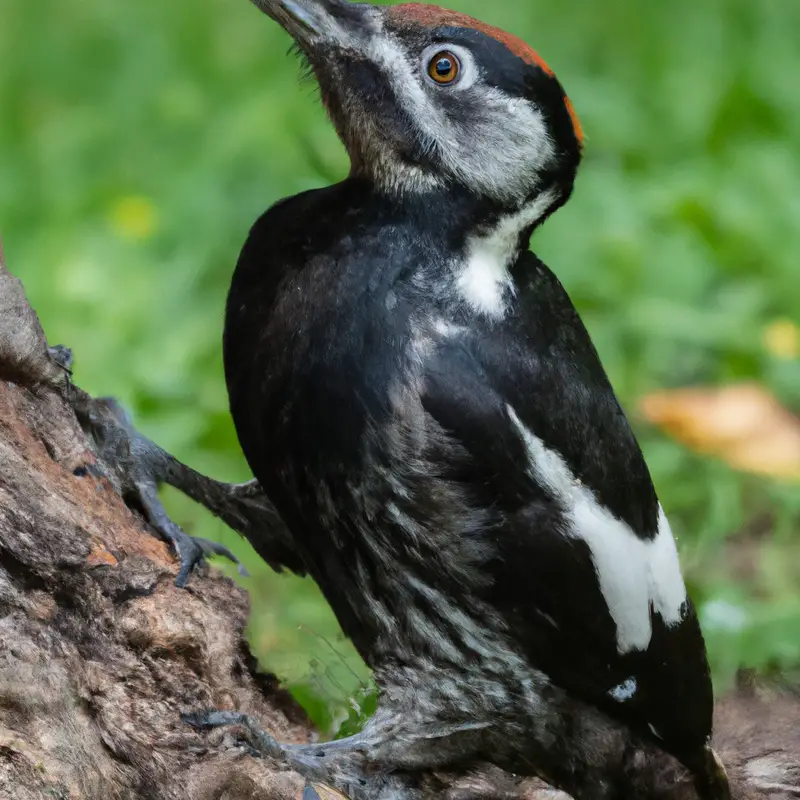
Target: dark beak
{"type": "Point", "coordinates": [319, 22]}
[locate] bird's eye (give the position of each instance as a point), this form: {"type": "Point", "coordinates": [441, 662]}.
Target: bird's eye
{"type": "Point", "coordinates": [444, 67]}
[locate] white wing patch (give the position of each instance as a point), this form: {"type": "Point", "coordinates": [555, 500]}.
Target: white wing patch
{"type": "Point", "coordinates": [634, 574]}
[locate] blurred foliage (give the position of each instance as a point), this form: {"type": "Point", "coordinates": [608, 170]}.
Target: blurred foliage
{"type": "Point", "coordinates": [139, 141]}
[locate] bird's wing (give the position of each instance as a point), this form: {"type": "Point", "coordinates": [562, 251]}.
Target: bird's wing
{"type": "Point", "coordinates": [585, 568]}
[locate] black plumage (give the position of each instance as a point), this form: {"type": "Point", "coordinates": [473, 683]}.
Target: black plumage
{"type": "Point", "coordinates": [419, 399]}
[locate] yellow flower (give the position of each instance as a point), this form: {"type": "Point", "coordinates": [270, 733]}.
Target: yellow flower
{"type": "Point", "coordinates": [134, 217]}
{"type": "Point", "coordinates": [782, 339]}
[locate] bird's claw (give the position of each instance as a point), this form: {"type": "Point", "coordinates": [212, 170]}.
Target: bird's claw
{"type": "Point", "coordinates": [62, 357]}
{"type": "Point", "coordinates": [320, 764]}
{"type": "Point", "coordinates": [193, 550]}
{"type": "Point", "coordinates": [136, 467]}
{"type": "Point", "coordinates": [263, 743]}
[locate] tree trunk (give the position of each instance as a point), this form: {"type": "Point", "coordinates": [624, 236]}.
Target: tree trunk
{"type": "Point", "coordinates": [100, 653]}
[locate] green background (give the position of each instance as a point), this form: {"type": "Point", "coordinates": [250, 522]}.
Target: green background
{"type": "Point", "coordinates": [140, 140]}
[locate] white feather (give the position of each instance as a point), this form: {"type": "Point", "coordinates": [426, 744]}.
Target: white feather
{"type": "Point", "coordinates": [625, 691]}
{"type": "Point", "coordinates": [635, 575]}
{"type": "Point", "coordinates": [484, 281]}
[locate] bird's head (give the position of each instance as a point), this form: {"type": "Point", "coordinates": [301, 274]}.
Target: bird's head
{"type": "Point", "coordinates": [425, 98]}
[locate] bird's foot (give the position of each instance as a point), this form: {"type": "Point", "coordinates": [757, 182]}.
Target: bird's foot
{"type": "Point", "coordinates": [191, 550]}
{"type": "Point", "coordinates": [141, 466]}
{"type": "Point", "coordinates": [245, 508]}
{"type": "Point", "coordinates": [62, 357]}
{"type": "Point", "coordinates": [136, 467]}
{"type": "Point", "coordinates": [331, 768]}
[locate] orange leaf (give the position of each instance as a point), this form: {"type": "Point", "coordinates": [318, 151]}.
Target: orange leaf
{"type": "Point", "coordinates": [743, 425]}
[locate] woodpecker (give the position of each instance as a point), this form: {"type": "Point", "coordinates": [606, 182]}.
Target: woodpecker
{"type": "Point", "coordinates": [419, 399]}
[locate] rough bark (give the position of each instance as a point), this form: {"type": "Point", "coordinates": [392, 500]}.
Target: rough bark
{"type": "Point", "coordinates": [100, 653]}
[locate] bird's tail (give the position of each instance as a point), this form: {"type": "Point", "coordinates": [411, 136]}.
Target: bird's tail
{"type": "Point", "coordinates": [710, 777]}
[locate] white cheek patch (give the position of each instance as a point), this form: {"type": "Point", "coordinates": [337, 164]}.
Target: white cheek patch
{"type": "Point", "coordinates": [483, 280]}
{"type": "Point", "coordinates": [504, 145]}
{"type": "Point", "coordinates": [635, 575]}
{"type": "Point", "coordinates": [498, 150]}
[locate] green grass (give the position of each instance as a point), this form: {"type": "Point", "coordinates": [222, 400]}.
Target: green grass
{"type": "Point", "coordinates": [139, 141]}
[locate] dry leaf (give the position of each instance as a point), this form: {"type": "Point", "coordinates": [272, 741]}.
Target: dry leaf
{"type": "Point", "coordinates": [743, 425]}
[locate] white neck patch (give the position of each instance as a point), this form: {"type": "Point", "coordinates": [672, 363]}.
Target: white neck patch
{"type": "Point", "coordinates": [635, 575]}
{"type": "Point", "coordinates": [483, 279]}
